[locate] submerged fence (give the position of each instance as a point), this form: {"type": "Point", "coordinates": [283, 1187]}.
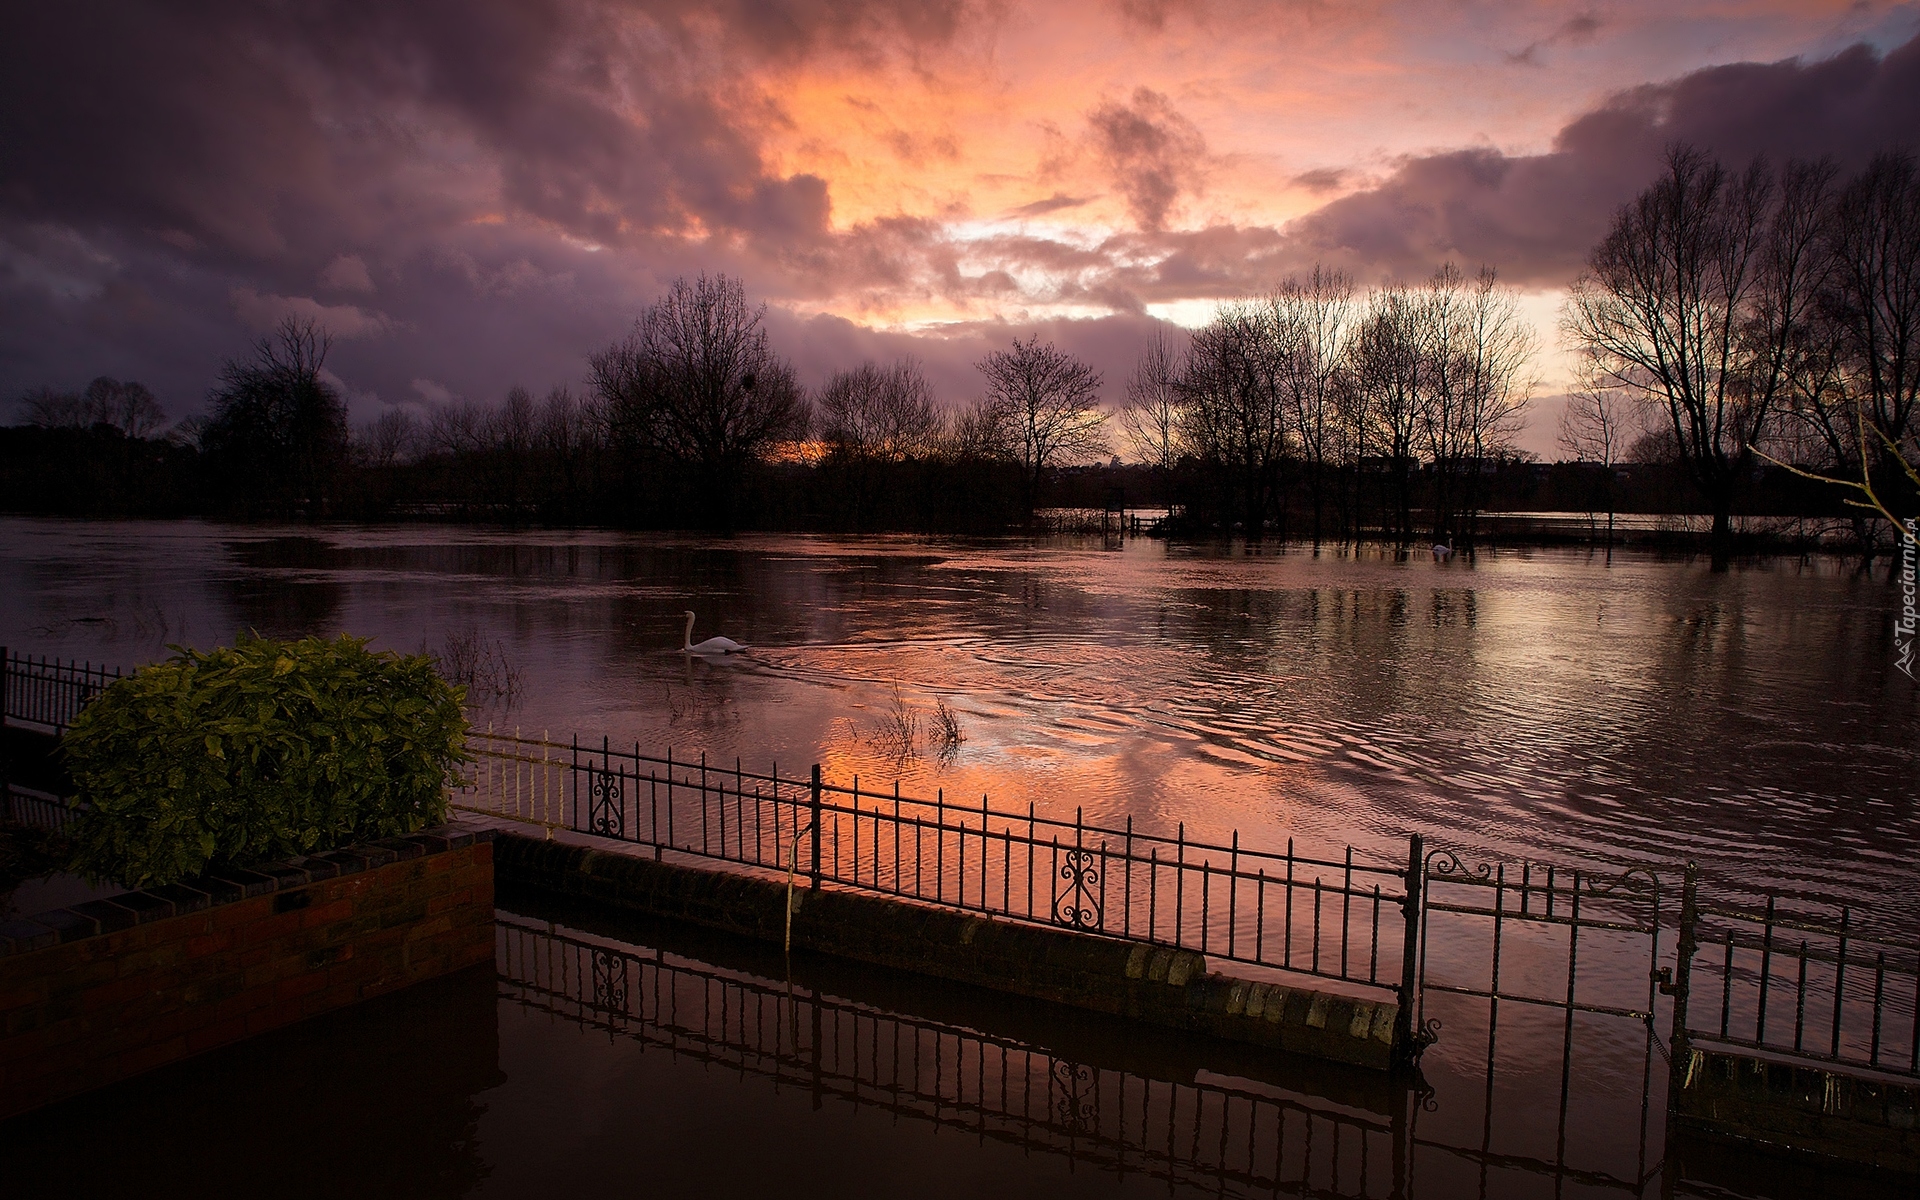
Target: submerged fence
{"type": "Point", "coordinates": [1638, 947]}
{"type": "Point", "coordinates": [47, 693]}
{"type": "Point", "coordinates": [1342, 918]}
{"type": "Point", "coordinates": [1647, 949]}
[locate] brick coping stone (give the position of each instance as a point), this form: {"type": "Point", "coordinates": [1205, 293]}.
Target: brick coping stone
{"type": "Point", "coordinates": [96, 918]}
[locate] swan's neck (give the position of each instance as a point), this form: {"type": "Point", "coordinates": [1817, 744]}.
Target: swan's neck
{"type": "Point", "coordinates": [686, 639]}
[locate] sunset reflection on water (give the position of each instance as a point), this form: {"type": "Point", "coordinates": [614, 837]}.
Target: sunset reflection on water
{"type": "Point", "coordinates": [1529, 704]}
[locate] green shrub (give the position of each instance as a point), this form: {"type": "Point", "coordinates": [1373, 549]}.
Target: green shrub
{"type": "Point", "coordinates": [262, 751]}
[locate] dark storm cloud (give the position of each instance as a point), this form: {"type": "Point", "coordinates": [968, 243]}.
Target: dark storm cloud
{"type": "Point", "coordinates": [1536, 216]}
{"type": "Point", "coordinates": [176, 173]}
{"type": "Point", "coordinates": [476, 194]}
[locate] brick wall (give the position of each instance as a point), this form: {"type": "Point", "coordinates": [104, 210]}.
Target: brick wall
{"type": "Point", "coordinates": [104, 990]}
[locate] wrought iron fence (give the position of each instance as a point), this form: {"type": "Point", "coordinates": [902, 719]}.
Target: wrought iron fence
{"type": "Point", "coordinates": [1546, 956]}
{"type": "Point", "coordinates": [1787, 978]}
{"type": "Point", "coordinates": [1576, 942]}
{"type": "Point", "coordinates": [48, 692]}
{"type": "Point", "coordinates": [1776, 976]}
{"type": "Point", "coordinates": [1342, 918]}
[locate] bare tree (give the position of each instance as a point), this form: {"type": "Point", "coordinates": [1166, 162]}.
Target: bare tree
{"type": "Point", "coordinates": [127, 407]}
{"type": "Point", "coordinates": [881, 413]}
{"type": "Point", "coordinates": [1494, 360]}
{"type": "Point", "coordinates": [1234, 389]}
{"type": "Point", "coordinates": [1857, 380]}
{"type": "Point", "coordinates": [1390, 369]}
{"type": "Point", "coordinates": [389, 439]}
{"type": "Point", "coordinates": [1150, 423]}
{"type": "Point", "coordinates": [1693, 300]}
{"type": "Point", "coordinates": [1313, 317]}
{"type": "Point", "coordinates": [458, 427]}
{"type": "Point", "coordinates": [1872, 239]}
{"type": "Point", "coordinates": [979, 433]}
{"type": "Point", "coordinates": [1597, 426]}
{"type": "Point", "coordinates": [698, 382]}
{"type": "Point", "coordinates": [1046, 403]}
{"type": "Point", "coordinates": [278, 429]}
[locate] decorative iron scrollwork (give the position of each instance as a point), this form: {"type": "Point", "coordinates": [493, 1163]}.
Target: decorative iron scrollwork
{"type": "Point", "coordinates": [1079, 906]}
{"type": "Point", "coordinates": [609, 982]}
{"type": "Point", "coordinates": [606, 803]}
{"type": "Point", "coordinates": [1075, 1096]}
{"type": "Point", "coordinates": [1446, 862]}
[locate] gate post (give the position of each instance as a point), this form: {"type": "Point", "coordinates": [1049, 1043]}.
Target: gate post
{"type": "Point", "coordinates": [1680, 1048]}
{"type": "Point", "coordinates": [1415, 905]}
{"type": "Point", "coordinates": [814, 882]}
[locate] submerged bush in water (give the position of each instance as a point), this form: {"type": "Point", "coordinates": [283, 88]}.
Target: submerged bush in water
{"type": "Point", "coordinates": [261, 751]}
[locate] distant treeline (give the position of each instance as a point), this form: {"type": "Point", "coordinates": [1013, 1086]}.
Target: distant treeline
{"type": "Point", "coordinates": [1742, 336]}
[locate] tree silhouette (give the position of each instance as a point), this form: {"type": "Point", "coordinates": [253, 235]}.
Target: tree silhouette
{"type": "Point", "coordinates": [277, 436]}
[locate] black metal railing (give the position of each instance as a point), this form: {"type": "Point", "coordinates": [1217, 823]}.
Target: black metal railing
{"type": "Point", "coordinates": [47, 692]}
{"type": "Point", "coordinates": [1784, 977]}
{"type": "Point", "coordinates": [1589, 943]}
{"type": "Point", "coordinates": [1779, 976]}
{"type": "Point", "coordinates": [1342, 918]}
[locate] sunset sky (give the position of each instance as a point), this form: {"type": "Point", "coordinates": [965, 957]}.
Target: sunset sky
{"type": "Point", "coordinates": [475, 195]}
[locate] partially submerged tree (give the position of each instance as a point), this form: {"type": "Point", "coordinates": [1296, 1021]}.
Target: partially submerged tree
{"type": "Point", "coordinates": [1598, 426]}
{"type": "Point", "coordinates": [277, 434]}
{"type": "Point", "coordinates": [1390, 371]}
{"type": "Point", "coordinates": [1694, 301]}
{"type": "Point", "coordinates": [1044, 404]}
{"type": "Point", "coordinates": [1234, 388]}
{"type": "Point", "coordinates": [697, 382]}
{"type": "Point", "coordinates": [1856, 383]}
{"type": "Point", "coordinates": [1313, 318]}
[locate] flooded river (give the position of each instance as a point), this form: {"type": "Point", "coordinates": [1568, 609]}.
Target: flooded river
{"type": "Point", "coordinates": [1543, 704]}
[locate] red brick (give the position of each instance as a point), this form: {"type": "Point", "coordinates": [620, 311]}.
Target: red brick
{"type": "Point", "coordinates": [83, 1014]}
{"type": "Point", "coordinates": [322, 914]}
{"type": "Point", "coordinates": [208, 943]}
{"type": "Point", "coordinates": [119, 992]}
{"type": "Point", "coordinates": [295, 986]}
{"type": "Point", "coordinates": [242, 912]}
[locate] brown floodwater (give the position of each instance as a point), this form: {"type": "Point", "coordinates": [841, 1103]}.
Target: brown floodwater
{"type": "Point", "coordinates": [1557, 705]}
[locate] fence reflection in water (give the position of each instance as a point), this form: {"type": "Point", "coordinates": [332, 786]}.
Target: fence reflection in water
{"type": "Point", "coordinates": [1216, 1136]}
{"type": "Point", "coordinates": [1190, 1130]}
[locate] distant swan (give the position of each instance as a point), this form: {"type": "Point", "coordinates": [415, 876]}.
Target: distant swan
{"type": "Point", "coordinates": [713, 645]}
{"type": "Point", "coordinates": [1443, 552]}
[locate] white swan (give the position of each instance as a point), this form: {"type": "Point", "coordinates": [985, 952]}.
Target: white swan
{"type": "Point", "coordinates": [1443, 552]}
{"type": "Point", "coordinates": [713, 645]}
